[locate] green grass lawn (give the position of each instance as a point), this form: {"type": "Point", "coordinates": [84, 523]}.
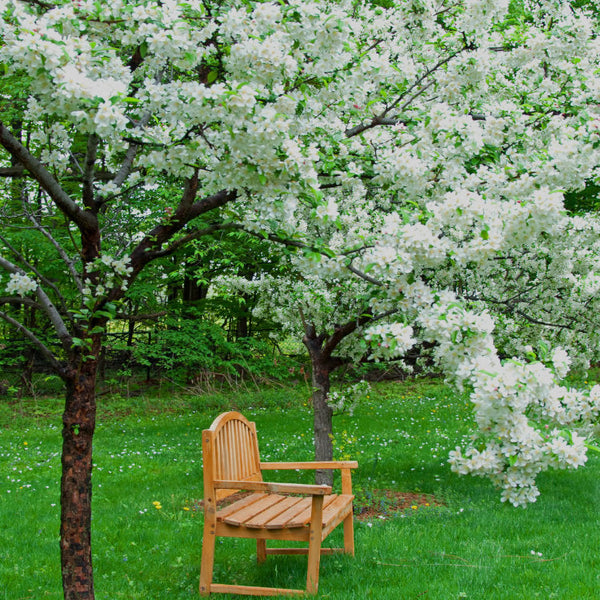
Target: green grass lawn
{"type": "Point", "coordinates": [147, 528]}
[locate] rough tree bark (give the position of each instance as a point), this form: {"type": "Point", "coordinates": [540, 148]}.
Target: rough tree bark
{"type": "Point", "coordinates": [322, 413]}
{"type": "Point", "coordinates": [79, 421]}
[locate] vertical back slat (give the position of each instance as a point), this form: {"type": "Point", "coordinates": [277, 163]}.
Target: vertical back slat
{"type": "Point", "coordinates": [247, 450]}
{"type": "Point", "coordinates": [231, 451]}
{"type": "Point", "coordinates": [221, 457]}
{"type": "Point", "coordinates": [255, 450]}
{"type": "Point", "coordinates": [235, 449]}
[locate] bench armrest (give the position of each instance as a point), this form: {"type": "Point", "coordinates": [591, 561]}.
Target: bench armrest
{"type": "Point", "coordinates": [275, 488]}
{"type": "Point", "coordinates": [329, 464]}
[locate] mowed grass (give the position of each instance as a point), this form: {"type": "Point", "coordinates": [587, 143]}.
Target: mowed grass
{"type": "Point", "coordinates": [147, 526]}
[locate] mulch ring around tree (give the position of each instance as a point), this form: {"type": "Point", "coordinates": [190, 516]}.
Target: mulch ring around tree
{"type": "Point", "coordinates": [368, 505]}
{"type": "Point", "coordinates": [386, 503]}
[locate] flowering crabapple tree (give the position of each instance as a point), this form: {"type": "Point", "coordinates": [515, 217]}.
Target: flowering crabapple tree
{"type": "Point", "coordinates": [328, 310]}
{"type": "Point", "coordinates": [262, 115]}
{"type": "Point", "coordinates": [464, 231]}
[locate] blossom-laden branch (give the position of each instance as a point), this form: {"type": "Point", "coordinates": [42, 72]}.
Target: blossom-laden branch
{"type": "Point", "coordinates": [22, 261]}
{"type": "Point", "coordinates": [48, 183]}
{"type": "Point", "coordinates": [22, 284]}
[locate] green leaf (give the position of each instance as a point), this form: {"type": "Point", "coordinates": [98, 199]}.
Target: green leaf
{"type": "Point", "coordinates": [212, 76]}
{"type": "Point", "coordinates": [488, 373]}
{"type": "Point", "coordinates": [104, 313]}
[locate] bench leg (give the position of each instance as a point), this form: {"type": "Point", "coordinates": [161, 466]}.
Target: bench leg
{"type": "Point", "coordinates": [314, 545]}
{"type": "Point", "coordinates": [349, 534]}
{"type": "Point", "coordinates": [208, 558]}
{"type": "Point", "coordinates": [261, 551]}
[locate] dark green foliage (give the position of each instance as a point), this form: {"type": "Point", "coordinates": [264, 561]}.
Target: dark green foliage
{"type": "Point", "coordinates": [584, 201]}
{"type": "Point", "coordinates": [191, 349]}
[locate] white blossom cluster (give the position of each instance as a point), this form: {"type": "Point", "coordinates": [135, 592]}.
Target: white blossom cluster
{"type": "Point", "coordinates": [114, 272]}
{"type": "Point", "coordinates": [346, 400]}
{"type": "Point", "coordinates": [391, 341]}
{"type": "Point", "coordinates": [21, 284]}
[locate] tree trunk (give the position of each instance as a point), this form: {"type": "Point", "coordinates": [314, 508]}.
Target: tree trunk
{"type": "Point", "coordinates": [323, 418]}
{"type": "Point", "coordinates": [321, 367]}
{"type": "Point", "coordinates": [79, 420]}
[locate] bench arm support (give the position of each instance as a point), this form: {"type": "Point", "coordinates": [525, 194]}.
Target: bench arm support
{"type": "Point", "coordinates": [327, 464]}
{"type": "Point", "coordinates": [274, 488]}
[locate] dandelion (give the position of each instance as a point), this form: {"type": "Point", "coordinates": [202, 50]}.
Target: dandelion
{"type": "Point", "coordinates": [157, 505]}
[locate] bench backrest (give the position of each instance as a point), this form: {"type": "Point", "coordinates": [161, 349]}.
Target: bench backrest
{"type": "Point", "coordinates": [230, 451]}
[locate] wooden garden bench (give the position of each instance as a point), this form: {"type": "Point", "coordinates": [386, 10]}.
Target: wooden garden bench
{"type": "Point", "coordinates": [232, 463]}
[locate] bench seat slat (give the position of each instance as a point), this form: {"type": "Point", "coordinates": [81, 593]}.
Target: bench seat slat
{"type": "Point", "coordinates": [224, 512]}
{"type": "Point", "coordinates": [303, 519]}
{"type": "Point", "coordinates": [264, 518]}
{"type": "Point", "coordinates": [243, 514]}
{"type": "Point", "coordinates": [276, 512]}
{"type": "Point", "coordinates": [299, 514]}
{"type": "Point", "coordinates": [283, 520]}
{"type": "Point", "coordinates": [332, 511]}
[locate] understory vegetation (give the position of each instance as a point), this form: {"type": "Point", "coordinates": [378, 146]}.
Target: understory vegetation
{"type": "Point", "coordinates": [455, 540]}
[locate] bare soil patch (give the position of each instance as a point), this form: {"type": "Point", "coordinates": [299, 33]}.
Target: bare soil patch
{"type": "Point", "coordinates": [384, 502]}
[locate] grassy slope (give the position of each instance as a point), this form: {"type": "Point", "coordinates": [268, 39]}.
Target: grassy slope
{"type": "Point", "coordinates": [149, 451]}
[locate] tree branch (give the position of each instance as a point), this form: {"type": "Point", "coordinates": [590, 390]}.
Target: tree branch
{"type": "Point", "coordinates": [20, 301]}
{"type": "Point", "coordinates": [364, 275]}
{"type": "Point", "coordinates": [47, 306]}
{"type": "Point", "coordinates": [61, 251]}
{"type": "Point", "coordinates": [343, 331]}
{"type": "Point", "coordinates": [127, 165]}
{"type": "Point", "coordinates": [84, 219]}
{"type": "Point", "coordinates": [383, 119]}
{"type": "Point", "coordinates": [151, 246]}
{"type": "Point", "coordinates": [22, 260]}
{"type": "Point", "coordinates": [15, 171]}
{"type": "Point", "coordinates": [46, 352]}
{"type": "Point", "coordinates": [88, 173]}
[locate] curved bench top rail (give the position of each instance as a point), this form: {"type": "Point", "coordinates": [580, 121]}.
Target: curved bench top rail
{"type": "Point", "coordinates": [234, 449]}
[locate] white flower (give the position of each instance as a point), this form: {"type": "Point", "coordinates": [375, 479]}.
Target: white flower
{"type": "Point", "coordinates": [561, 362]}
{"type": "Point", "coordinates": [328, 211]}
{"type": "Point", "coordinates": [20, 284]}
